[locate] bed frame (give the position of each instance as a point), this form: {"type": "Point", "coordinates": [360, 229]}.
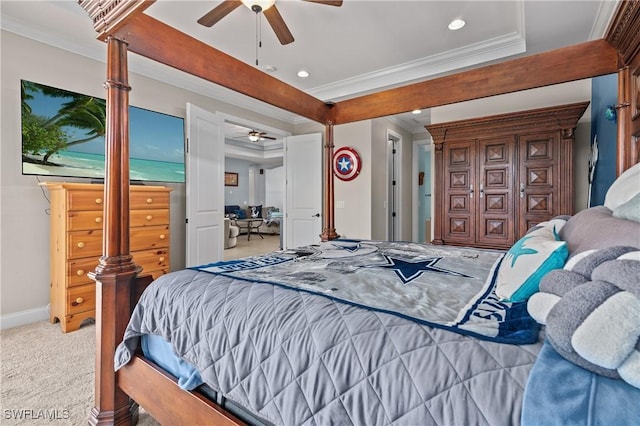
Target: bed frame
{"type": "Point", "coordinates": [125, 28]}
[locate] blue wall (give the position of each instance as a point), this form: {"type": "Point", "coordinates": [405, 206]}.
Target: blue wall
{"type": "Point", "coordinates": [604, 92]}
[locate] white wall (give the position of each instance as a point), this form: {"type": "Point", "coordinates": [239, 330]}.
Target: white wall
{"type": "Point", "coordinates": [24, 222]}
{"type": "Point", "coordinates": [353, 198]}
{"type": "Point", "coordinates": [274, 187]}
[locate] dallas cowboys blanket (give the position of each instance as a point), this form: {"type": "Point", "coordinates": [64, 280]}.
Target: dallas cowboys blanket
{"type": "Point", "coordinates": [451, 288]}
{"type": "Point", "coordinates": [301, 357]}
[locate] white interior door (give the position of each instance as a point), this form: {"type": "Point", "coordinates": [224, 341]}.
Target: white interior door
{"type": "Point", "coordinates": [204, 164]}
{"type": "Point", "coordinates": [303, 164]}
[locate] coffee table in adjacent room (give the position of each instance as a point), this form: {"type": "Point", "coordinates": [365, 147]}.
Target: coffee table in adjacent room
{"type": "Point", "coordinates": [252, 225]}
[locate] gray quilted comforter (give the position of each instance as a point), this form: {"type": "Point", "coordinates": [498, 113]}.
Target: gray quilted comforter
{"type": "Point", "coordinates": [295, 358]}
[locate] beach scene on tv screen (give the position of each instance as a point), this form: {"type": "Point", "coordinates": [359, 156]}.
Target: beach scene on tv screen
{"type": "Point", "coordinates": [63, 134]}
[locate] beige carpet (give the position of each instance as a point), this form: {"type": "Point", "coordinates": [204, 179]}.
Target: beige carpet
{"type": "Point", "coordinates": [48, 376]}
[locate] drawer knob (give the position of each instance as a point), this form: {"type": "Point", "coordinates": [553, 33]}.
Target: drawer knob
{"type": "Point", "coordinates": [98, 200]}
{"type": "Point", "coordinates": [149, 217]}
{"type": "Point", "coordinates": [162, 236]}
{"type": "Point", "coordinates": [80, 272]}
{"type": "Point", "coordinates": [98, 219]}
{"type": "Point", "coordinates": [78, 301]}
{"type": "Point", "coordinates": [80, 244]}
{"type": "Point", "coordinates": [149, 200]}
{"type": "Point", "coordinates": [161, 259]}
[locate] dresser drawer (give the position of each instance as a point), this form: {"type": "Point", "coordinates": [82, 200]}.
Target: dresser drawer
{"type": "Point", "coordinates": [81, 299]}
{"type": "Point", "coordinates": [152, 259]}
{"type": "Point", "coordinates": [84, 219]}
{"type": "Point", "coordinates": [89, 219]}
{"type": "Point", "coordinates": [148, 237]}
{"type": "Point", "coordinates": [148, 217]}
{"type": "Point", "coordinates": [140, 200]}
{"type": "Point", "coordinates": [84, 244]}
{"type": "Point", "coordinates": [86, 199]}
{"type": "Point", "coordinates": [78, 269]}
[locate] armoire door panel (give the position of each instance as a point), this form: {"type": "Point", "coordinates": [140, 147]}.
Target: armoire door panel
{"type": "Point", "coordinates": [460, 156]}
{"type": "Point", "coordinates": [459, 228]}
{"type": "Point", "coordinates": [539, 185]}
{"type": "Point", "coordinates": [496, 179]}
{"type": "Point", "coordinates": [459, 179]}
{"type": "Point", "coordinates": [496, 204]}
{"type": "Point", "coordinates": [496, 228]}
{"type": "Point", "coordinates": [459, 199]}
{"type": "Point", "coordinates": [539, 176]}
{"type": "Point", "coordinates": [459, 203]}
{"type": "Point", "coordinates": [539, 147]}
{"type": "Point", "coordinates": [539, 204]}
{"type": "Point", "coordinates": [496, 215]}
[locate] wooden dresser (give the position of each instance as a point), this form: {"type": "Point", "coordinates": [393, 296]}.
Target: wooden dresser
{"type": "Point", "coordinates": [76, 243]}
{"type": "Point", "coordinates": [497, 176]}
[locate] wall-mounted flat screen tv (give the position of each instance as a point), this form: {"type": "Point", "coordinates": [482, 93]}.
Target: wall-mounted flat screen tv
{"type": "Point", "coordinates": [63, 135]}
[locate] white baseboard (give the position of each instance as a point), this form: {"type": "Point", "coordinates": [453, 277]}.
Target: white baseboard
{"type": "Point", "coordinates": [24, 317]}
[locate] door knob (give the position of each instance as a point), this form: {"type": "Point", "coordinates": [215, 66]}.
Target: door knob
{"type": "Point", "coordinates": [316, 215]}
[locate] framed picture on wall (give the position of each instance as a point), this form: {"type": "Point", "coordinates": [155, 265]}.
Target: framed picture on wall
{"type": "Point", "coordinates": [230, 179]}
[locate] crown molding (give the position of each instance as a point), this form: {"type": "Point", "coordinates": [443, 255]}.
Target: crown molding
{"type": "Point", "coordinates": [473, 54]}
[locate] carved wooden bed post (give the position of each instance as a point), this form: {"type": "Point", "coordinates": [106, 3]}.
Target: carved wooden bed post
{"type": "Point", "coordinates": [116, 270]}
{"type": "Point", "coordinates": [328, 229]}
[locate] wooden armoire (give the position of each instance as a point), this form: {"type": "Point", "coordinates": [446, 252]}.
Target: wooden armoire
{"type": "Point", "coordinates": [497, 176]}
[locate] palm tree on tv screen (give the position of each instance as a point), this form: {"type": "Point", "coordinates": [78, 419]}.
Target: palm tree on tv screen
{"type": "Point", "coordinates": [47, 134]}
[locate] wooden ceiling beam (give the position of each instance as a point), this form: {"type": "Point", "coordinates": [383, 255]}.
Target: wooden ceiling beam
{"type": "Point", "coordinates": [160, 42]}
{"type": "Point", "coordinates": [585, 60]}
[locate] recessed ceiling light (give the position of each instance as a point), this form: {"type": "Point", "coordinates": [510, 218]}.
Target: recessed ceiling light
{"type": "Point", "coordinates": [416, 111]}
{"type": "Point", "coordinates": [456, 24]}
{"type": "Point", "coordinates": [270, 68]}
{"type": "Point", "coordinates": [303, 74]}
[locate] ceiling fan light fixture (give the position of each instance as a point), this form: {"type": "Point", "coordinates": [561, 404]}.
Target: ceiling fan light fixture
{"type": "Point", "coordinates": [254, 136]}
{"type": "Point", "coordinates": [261, 4]}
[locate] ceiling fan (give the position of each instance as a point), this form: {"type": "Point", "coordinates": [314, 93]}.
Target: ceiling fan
{"type": "Point", "coordinates": [255, 136]}
{"type": "Point", "coordinates": [267, 7]}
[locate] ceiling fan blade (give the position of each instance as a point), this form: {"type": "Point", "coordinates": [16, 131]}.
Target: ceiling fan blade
{"type": "Point", "coordinates": [277, 23]}
{"type": "Point", "coordinates": [267, 137]}
{"type": "Point", "coordinates": [219, 12]}
{"type": "Point", "coordinates": [327, 2]}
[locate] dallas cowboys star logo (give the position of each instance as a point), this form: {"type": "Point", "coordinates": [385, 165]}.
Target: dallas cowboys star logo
{"type": "Point", "coordinates": [351, 248]}
{"type": "Point", "coordinates": [344, 164]}
{"type": "Point", "coordinates": [409, 271]}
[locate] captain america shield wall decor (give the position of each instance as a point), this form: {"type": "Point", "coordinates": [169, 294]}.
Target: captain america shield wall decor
{"type": "Point", "coordinates": [346, 163]}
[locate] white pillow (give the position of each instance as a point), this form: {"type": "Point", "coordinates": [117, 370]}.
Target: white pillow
{"type": "Point", "coordinates": [624, 188]}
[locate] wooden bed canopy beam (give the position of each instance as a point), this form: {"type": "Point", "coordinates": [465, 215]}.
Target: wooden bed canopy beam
{"type": "Point", "coordinates": [585, 60]}
{"type": "Point", "coordinates": [153, 39]}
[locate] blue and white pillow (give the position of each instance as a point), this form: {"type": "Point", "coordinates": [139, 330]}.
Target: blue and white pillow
{"type": "Point", "coordinates": [528, 260]}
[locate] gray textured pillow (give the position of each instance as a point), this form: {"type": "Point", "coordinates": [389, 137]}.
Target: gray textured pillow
{"type": "Point", "coordinates": [629, 210]}
{"type": "Point", "coordinates": [596, 228]}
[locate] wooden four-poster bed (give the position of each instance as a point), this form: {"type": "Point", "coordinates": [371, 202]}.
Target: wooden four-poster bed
{"type": "Point", "coordinates": [125, 27]}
